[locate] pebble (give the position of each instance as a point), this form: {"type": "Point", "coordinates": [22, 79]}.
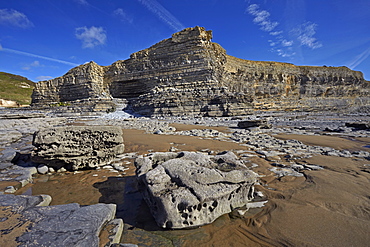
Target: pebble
{"type": "Point", "coordinates": [42, 169]}
{"type": "Point", "coordinates": [62, 169]}
{"type": "Point", "coordinates": [281, 172]}
{"type": "Point", "coordinates": [10, 189]}
{"type": "Point", "coordinates": [313, 167]}
{"type": "Point", "coordinates": [120, 168]}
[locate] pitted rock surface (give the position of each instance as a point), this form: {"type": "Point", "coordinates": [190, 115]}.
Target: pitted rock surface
{"type": "Point", "coordinates": [189, 189]}
{"type": "Point", "coordinates": [77, 147]}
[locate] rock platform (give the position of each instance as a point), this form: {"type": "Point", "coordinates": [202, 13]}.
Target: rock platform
{"type": "Point", "coordinates": [61, 225]}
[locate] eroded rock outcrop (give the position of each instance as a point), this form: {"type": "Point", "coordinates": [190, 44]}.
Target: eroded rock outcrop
{"type": "Point", "coordinates": [81, 89]}
{"type": "Point", "coordinates": [77, 147]}
{"type": "Point", "coordinates": [189, 74]}
{"type": "Point", "coordinates": [190, 189]}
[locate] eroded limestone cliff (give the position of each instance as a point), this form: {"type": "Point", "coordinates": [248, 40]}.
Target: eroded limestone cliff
{"type": "Point", "coordinates": [189, 74]}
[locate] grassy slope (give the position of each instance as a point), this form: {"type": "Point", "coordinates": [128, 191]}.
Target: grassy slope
{"type": "Point", "coordinates": [16, 88]}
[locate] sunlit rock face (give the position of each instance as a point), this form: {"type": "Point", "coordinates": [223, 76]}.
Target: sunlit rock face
{"type": "Point", "coordinates": [77, 147]}
{"type": "Point", "coordinates": [188, 74]}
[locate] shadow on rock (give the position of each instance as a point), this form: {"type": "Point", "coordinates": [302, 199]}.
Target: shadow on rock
{"type": "Point", "coordinates": [131, 207]}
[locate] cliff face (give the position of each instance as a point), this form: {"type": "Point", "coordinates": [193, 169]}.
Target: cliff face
{"type": "Point", "coordinates": [82, 82]}
{"type": "Point", "coordinates": [176, 76]}
{"type": "Point", "coordinates": [188, 74]}
{"type": "Point", "coordinates": [284, 86]}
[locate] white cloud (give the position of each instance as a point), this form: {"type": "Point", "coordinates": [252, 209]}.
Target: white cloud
{"type": "Point", "coordinates": [1, 47]}
{"type": "Point", "coordinates": [163, 14]}
{"type": "Point", "coordinates": [285, 42]}
{"type": "Point", "coordinates": [276, 33]}
{"type": "Point", "coordinates": [91, 37]}
{"type": "Point", "coordinates": [32, 65]}
{"type": "Point", "coordinates": [302, 35]}
{"type": "Point", "coordinates": [35, 64]}
{"type": "Point", "coordinates": [272, 43]}
{"type": "Point", "coordinates": [305, 35]}
{"type": "Point", "coordinates": [44, 78]}
{"type": "Point", "coordinates": [123, 15]}
{"type": "Point", "coordinates": [11, 17]}
{"type": "Point", "coordinates": [261, 18]}
{"type": "Point", "coordinates": [279, 44]}
{"type": "Point", "coordinates": [285, 52]}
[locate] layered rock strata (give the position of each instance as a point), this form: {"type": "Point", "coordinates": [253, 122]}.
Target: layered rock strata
{"type": "Point", "coordinates": [190, 189]}
{"type": "Point", "coordinates": [77, 147]}
{"type": "Point", "coordinates": [189, 74]}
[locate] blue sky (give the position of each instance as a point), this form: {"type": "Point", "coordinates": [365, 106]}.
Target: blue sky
{"type": "Point", "coordinates": [44, 39]}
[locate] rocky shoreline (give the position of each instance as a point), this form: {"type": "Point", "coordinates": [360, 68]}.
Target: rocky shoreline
{"type": "Point", "coordinates": [268, 151]}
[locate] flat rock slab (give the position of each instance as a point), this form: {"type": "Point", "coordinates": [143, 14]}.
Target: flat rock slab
{"type": "Point", "coordinates": [189, 189]}
{"type": "Point", "coordinates": [16, 175]}
{"type": "Point", "coordinates": [60, 225]}
{"type": "Point", "coordinates": [262, 123]}
{"type": "Point", "coordinates": [77, 147]}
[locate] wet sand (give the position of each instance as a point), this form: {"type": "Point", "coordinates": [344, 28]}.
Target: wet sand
{"type": "Point", "coordinates": [329, 207]}
{"type": "Point", "coordinates": [181, 127]}
{"type": "Point", "coordinates": [139, 141]}
{"type": "Point", "coordinates": [12, 228]}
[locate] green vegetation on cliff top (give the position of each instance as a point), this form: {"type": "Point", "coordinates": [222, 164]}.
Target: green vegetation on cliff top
{"type": "Point", "coordinates": [16, 88]}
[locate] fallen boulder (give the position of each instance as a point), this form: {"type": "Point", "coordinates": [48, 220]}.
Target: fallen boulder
{"type": "Point", "coordinates": [189, 189]}
{"type": "Point", "coordinates": [359, 126]}
{"type": "Point", "coordinates": [261, 123]}
{"type": "Point", "coordinates": [77, 147]}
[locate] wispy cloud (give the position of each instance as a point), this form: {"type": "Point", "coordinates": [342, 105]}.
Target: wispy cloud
{"type": "Point", "coordinates": [262, 18]}
{"type": "Point", "coordinates": [163, 14]}
{"type": "Point", "coordinates": [82, 2]}
{"type": "Point", "coordinates": [11, 17]}
{"type": "Point", "coordinates": [359, 59]}
{"type": "Point", "coordinates": [37, 56]}
{"type": "Point", "coordinates": [123, 15]}
{"type": "Point", "coordinates": [34, 64]}
{"type": "Point", "coordinates": [302, 35]}
{"type": "Point", "coordinates": [91, 37]}
{"type": "Point", "coordinates": [305, 34]}
{"type": "Point", "coordinates": [278, 43]}
{"type": "Point", "coordinates": [44, 78]}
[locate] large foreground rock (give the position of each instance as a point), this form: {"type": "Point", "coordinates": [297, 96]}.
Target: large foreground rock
{"type": "Point", "coordinates": [190, 189]}
{"type": "Point", "coordinates": [77, 147]}
{"type": "Point", "coordinates": [60, 225]}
